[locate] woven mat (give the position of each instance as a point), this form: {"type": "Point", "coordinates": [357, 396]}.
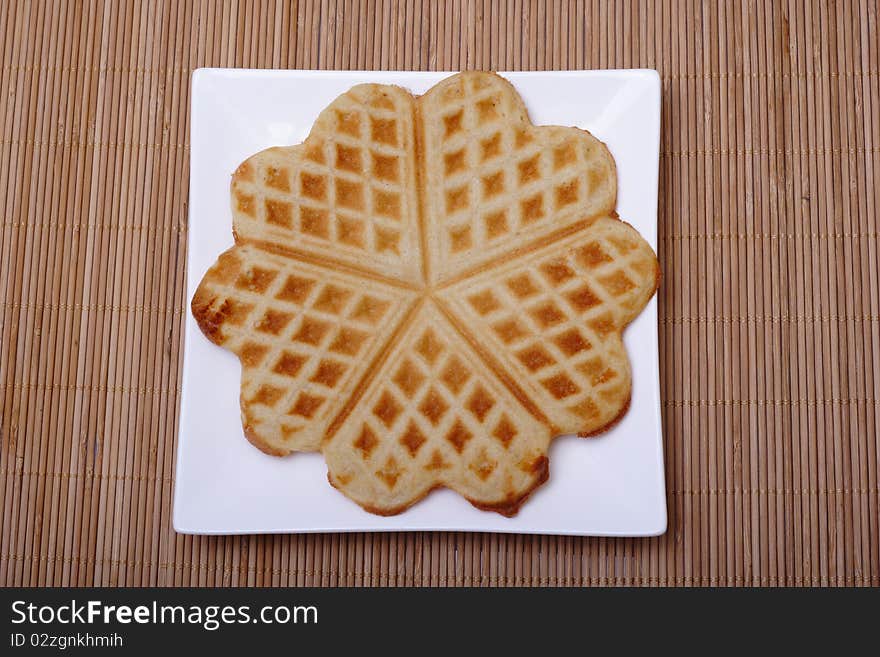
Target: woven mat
{"type": "Point", "coordinates": [769, 312]}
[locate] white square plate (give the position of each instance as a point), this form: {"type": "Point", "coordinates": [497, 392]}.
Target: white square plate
{"type": "Point", "coordinates": [610, 485]}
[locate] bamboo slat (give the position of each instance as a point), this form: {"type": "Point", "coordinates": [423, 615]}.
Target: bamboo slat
{"type": "Point", "coordinates": [769, 312]}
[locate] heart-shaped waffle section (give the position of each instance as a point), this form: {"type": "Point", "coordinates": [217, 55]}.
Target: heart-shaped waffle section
{"type": "Point", "coordinates": [428, 290]}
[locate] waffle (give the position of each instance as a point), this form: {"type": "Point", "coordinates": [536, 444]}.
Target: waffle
{"type": "Point", "coordinates": [348, 194]}
{"type": "Point", "coordinates": [553, 318]}
{"type": "Point", "coordinates": [434, 416]}
{"type": "Point", "coordinates": [305, 336]}
{"type": "Point", "coordinates": [428, 291]}
{"type": "Point", "coordinates": [495, 183]}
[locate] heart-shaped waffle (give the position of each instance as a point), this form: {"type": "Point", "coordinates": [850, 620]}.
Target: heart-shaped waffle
{"type": "Point", "coordinates": [428, 290]}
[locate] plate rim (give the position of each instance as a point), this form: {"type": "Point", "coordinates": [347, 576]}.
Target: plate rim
{"type": "Point", "coordinates": [198, 76]}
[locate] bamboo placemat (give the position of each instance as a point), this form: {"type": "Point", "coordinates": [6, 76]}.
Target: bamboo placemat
{"type": "Point", "coordinates": [769, 310]}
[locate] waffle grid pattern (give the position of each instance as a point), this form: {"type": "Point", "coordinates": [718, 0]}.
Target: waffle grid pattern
{"type": "Point", "coordinates": [301, 335]}
{"type": "Point", "coordinates": [350, 190]}
{"type": "Point", "coordinates": [435, 417]}
{"type": "Point", "coordinates": [500, 180]}
{"type": "Point", "coordinates": [556, 320]}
